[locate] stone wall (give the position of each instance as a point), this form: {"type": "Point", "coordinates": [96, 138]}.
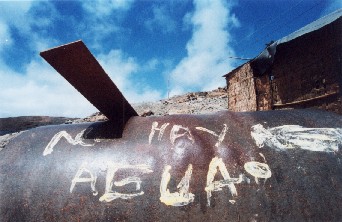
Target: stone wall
{"type": "Point", "coordinates": [241, 89]}
{"type": "Point", "coordinates": [306, 72]}
{"type": "Point", "coordinates": [263, 93]}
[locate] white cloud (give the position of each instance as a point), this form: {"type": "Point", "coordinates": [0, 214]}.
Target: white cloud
{"type": "Point", "coordinates": [161, 21]}
{"type": "Point", "coordinates": [12, 14]}
{"type": "Point", "coordinates": [24, 16]}
{"type": "Point", "coordinates": [118, 68]}
{"type": "Point", "coordinates": [152, 64]}
{"type": "Point", "coordinates": [5, 36]}
{"type": "Point", "coordinates": [106, 7]}
{"type": "Point", "coordinates": [102, 19]}
{"type": "Point", "coordinates": [39, 91]}
{"type": "Point", "coordinates": [121, 70]}
{"type": "Point", "coordinates": [235, 21]}
{"type": "Point", "coordinates": [187, 23]}
{"type": "Point", "coordinates": [207, 50]}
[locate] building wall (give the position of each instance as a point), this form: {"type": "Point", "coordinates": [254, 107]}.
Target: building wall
{"type": "Point", "coordinates": [241, 90]}
{"type": "Point", "coordinates": [263, 92]}
{"type": "Point", "coordinates": [307, 71]}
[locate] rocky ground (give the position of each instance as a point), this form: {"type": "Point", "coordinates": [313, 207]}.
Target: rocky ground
{"type": "Point", "coordinates": [12, 126]}
{"type": "Point", "coordinates": [15, 124]}
{"type": "Point", "coordinates": [190, 103]}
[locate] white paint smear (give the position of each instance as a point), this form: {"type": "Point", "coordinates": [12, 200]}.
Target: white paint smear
{"type": "Point", "coordinates": [154, 129]}
{"type": "Point", "coordinates": [258, 170]}
{"type": "Point", "coordinates": [295, 136]}
{"type": "Point", "coordinates": [232, 201]}
{"type": "Point", "coordinates": [217, 163]}
{"type": "Point", "coordinates": [79, 179]}
{"type": "Point", "coordinates": [262, 155]}
{"type": "Point", "coordinates": [112, 168]}
{"type": "Point", "coordinates": [175, 133]}
{"type": "Point", "coordinates": [220, 136]}
{"type": "Point", "coordinates": [56, 138]}
{"type": "Point", "coordinates": [180, 198]}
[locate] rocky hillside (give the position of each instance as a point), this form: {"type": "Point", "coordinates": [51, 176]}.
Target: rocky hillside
{"type": "Point", "coordinates": [15, 124]}
{"type": "Point", "coordinates": [190, 103]}
{"type": "Point", "coordinates": [11, 127]}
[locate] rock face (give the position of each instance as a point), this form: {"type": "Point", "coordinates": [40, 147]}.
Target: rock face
{"type": "Point", "coordinates": [190, 103]}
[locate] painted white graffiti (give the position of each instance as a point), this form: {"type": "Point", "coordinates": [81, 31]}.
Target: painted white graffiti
{"type": "Point", "coordinates": [217, 163]}
{"type": "Point", "coordinates": [154, 129]}
{"type": "Point", "coordinates": [220, 136]}
{"type": "Point", "coordinates": [262, 155]}
{"type": "Point", "coordinates": [178, 131]}
{"type": "Point", "coordinates": [57, 137]}
{"type": "Point", "coordinates": [79, 179]}
{"type": "Point", "coordinates": [258, 170]}
{"type": "Point", "coordinates": [180, 198]}
{"type": "Point", "coordinates": [294, 136]}
{"type": "Point", "coordinates": [112, 168]}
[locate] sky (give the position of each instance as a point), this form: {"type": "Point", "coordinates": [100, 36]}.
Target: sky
{"type": "Point", "coordinates": [150, 49]}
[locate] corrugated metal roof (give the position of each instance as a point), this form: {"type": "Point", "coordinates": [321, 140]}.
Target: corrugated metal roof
{"type": "Point", "coordinates": [319, 23]}
{"type": "Point", "coordinates": [265, 58]}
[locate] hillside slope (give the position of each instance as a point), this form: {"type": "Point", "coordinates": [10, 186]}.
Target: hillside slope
{"type": "Point", "coordinates": [190, 103]}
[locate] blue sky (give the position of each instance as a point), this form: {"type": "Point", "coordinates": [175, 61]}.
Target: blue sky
{"type": "Point", "coordinates": [148, 48]}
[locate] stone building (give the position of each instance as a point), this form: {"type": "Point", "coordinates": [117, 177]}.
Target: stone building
{"type": "Point", "coordinates": [298, 71]}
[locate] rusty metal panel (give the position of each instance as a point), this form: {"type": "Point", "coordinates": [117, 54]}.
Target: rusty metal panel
{"type": "Point", "coordinates": [260, 166]}
{"type": "Point", "coordinates": [79, 67]}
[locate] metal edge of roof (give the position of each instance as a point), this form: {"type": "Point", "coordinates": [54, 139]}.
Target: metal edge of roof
{"type": "Point", "coordinates": [313, 26]}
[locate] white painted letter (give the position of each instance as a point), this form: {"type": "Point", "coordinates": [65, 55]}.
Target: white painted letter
{"type": "Point", "coordinates": [154, 129]}
{"type": "Point", "coordinates": [218, 185]}
{"type": "Point", "coordinates": [112, 168]}
{"type": "Point", "coordinates": [258, 170]}
{"type": "Point", "coordinates": [56, 138]}
{"type": "Point", "coordinates": [220, 137]}
{"type": "Point", "coordinates": [174, 134]}
{"type": "Point", "coordinates": [79, 179]}
{"type": "Point", "coordinates": [180, 198]}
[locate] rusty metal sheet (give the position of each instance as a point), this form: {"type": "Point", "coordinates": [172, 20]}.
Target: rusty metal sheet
{"type": "Point", "coordinates": [79, 67]}
{"type": "Point", "coordinates": [260, 166]}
